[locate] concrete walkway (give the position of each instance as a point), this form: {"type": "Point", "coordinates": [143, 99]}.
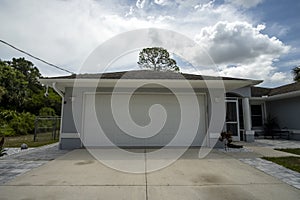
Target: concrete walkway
{"type": "Point", "coordinates": [265, 148]}
{"type": "Point", "coordinates": [286, 175]}
{"type": "Point", "coordinates": [77, 175]}
{"type": "Point", "coordinates": [280, 144]}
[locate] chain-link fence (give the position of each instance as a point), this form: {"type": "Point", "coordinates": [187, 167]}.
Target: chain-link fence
{"type": "Point", "coordinates": [46, 128]}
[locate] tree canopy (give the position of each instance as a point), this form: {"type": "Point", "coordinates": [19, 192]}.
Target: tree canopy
{"type": "Point", "coordinates": [157, 59]}
{"type": "Point", "coordinates": [22, 96]}
{"type": "Point", "coordinates": [296, 73]}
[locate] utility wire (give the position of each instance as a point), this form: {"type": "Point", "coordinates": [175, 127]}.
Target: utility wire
{"type": "Point", "coordinates": [39, 59]}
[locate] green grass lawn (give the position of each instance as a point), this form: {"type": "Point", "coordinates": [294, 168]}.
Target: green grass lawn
{"type": "Point", "coordinates": [294, 151]}
{"type": "Point", "coordinates": [290, 162]}
{"type": "Point", "coordinates": [16, 141]}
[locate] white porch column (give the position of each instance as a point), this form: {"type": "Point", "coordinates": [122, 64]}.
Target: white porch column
{"type": "Point", "coordinates": [247, 120]}
{"type": "Point", "coordinates": [247, 117]}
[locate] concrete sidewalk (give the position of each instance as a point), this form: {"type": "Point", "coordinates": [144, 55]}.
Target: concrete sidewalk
{"type": "Point", "coordinates": [263, 148]}
{"type": "Point", "coordinates": [77, 175]}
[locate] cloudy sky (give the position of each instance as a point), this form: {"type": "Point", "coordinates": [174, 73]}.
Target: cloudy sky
{"type": "Point", "coordinates": [256, 39]}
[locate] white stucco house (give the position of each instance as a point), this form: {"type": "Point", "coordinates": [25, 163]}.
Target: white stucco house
{"type": "Point", "coordinates": [229, 104]}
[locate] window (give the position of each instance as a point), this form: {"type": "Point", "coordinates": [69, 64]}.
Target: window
{"type": "Point", "coordinates": [256, 115]}
{"type": "Point", "coordinates": [241, 114]}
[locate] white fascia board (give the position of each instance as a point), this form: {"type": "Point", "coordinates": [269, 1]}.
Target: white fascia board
{"type": "Point", "coordinates": [226, 84]}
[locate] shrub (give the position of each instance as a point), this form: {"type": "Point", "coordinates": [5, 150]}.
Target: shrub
{"type": "Point", "coordinates": [14, 123]}
{"type": "Point", "coordinates": [5, 117]}
{"type": "Point", "coordinates": [47, 111]}
{"type": "Point", "coordinates": [8, 115]}
{"type": "Point", "coordinates": [23, 123]}
{"type": "Point", "coordinates": [6, 130]}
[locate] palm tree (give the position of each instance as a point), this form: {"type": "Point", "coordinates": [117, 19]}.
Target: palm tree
{"type": "Point", "coordinates": [296, 73]}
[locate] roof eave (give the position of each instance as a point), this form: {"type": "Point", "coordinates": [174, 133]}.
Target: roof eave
{"type": "Point", "coordinates": [176, 83]}
{"type": "Point", "coordinates": [278, 96]}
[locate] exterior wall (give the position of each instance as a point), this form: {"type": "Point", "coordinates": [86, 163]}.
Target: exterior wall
{"type": "Point", "coordinates": [68, 123]}
{"type": "Point", "coordinates": [73, 109]}
{"type": "Point", "coordinates": [287, 112]}
{"type": "Point", "coordinates": [215, 124]}
{"type": "Point", "coordinates": [70, 143]}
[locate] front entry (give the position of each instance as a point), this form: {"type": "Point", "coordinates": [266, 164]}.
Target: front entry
{"type": "Point", "coordinates": [232, 119]}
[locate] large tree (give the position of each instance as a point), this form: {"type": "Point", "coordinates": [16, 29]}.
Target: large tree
{"type": "Point", "coordinates": [14, 87]}
{"type": "Point", "coordinates": [30, 72]}
{"type": "Point", "coordinates": [157, 59]}
{"type": "Point", "coordinates": [20, 89]}
{"type": "Point", "coordinates": [22, 97]}
{"type": "Point", "coordinates": [296, 73]}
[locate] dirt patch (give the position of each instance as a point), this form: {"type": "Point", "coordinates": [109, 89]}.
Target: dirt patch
{"type": "Point", "coordinates": [208, 178]}
{"type": "Point", "coordinates": [228, 193]}
{"type": "Point", "coordinates": [87, 162]}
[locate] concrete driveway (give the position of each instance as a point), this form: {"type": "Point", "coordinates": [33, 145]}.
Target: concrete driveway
{"type": "Point", "coordinates": [77, 175]}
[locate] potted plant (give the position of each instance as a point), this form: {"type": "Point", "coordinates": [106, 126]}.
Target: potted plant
{"type": "Point", "coordinates": [2, 150]}
{"type": "Point", "coordinates": [226, 137]}
{"type": "Point", "coordinates": [269, 126]}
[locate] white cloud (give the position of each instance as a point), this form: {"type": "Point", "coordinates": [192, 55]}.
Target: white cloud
{"type": "Point", "coordinates": [260, 70]}
{"type": "Point", "coordinates": [238, 42]}
{"type": "Point", "coordinates": [130, 12]}
{"type": "Point", "coordinates": [161, 2]}
{"type": "Point", "coordinates": [292, 63]}
{"type": "Point", "coordinates": [245, 3]}
{"type": "Point", "coordinates": [65, 32]}
{"type": "Point", "coordinates": [278, 30]}
{"type": "Point", "coordinates": [140, 3]}
{"type": "Point", "coordinates": [241, 50]}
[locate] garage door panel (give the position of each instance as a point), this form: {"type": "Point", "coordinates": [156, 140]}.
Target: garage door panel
{"type": "Point", "coordinates": [100, 117]}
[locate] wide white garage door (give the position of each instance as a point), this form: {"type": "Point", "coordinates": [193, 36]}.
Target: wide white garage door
{"type": "Point", "coordinates": [104, 126]}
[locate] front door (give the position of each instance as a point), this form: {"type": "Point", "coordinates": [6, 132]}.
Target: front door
{"type": "Point", "coordinates": [232, 119]}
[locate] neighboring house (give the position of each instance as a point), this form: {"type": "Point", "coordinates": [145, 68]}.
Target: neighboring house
{"type": "Point", "coordinates": [281, 104]}
{"type": "Point", "coordinates": [87, 114]}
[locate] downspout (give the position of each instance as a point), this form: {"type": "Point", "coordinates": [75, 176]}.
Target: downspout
{"type": "Point", "coordinates": [60, 93]}
{"type": "Point", "coordinates": [57, 90]}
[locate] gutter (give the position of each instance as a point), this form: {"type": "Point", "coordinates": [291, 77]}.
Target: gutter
{"type": "Point", "coordinates": [57, 90]}
{"type": "Point", "coordinates": [278, 96]}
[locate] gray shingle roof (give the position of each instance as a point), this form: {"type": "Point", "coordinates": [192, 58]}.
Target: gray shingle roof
{"type": "Point", "coordinates": [143, 74]}
{"type": "Point", "coordinates": [285, 89]}
{"type": "Point", "coordinates": [260, 91]}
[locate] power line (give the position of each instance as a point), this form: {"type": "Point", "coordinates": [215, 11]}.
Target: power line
{"type": "Point", "coordinates": [39, 59]}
